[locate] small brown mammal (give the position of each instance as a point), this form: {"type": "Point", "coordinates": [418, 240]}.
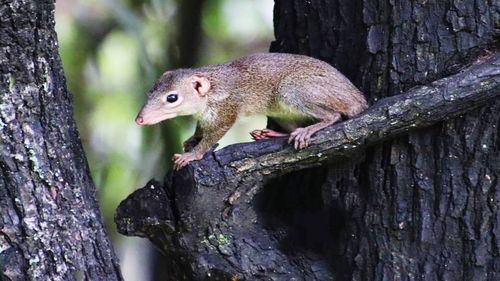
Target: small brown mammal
{"type": "Point", "coordinates": [290, 88]}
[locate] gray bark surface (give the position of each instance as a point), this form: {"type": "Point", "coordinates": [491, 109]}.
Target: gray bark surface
{"type": "Point", "coordinates": [50, 224]}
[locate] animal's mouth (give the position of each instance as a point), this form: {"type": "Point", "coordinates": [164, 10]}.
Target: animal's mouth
{"type": "Point", "coordinates": [143, 119]}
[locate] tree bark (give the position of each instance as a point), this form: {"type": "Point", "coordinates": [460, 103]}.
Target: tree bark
{"type": "Point", "coordinates": [50, 225]}
{"type": "Point", "coordinates": [423, 206]}
{"type": "Point", "coordinates": [420, 203]}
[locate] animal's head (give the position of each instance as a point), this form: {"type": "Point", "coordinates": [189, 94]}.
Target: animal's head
{"type": "Point", "coordinates": [176, 93]}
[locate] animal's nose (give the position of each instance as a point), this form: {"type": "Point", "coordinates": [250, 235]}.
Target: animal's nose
{"type": "Point", "coordinates": [139, 120]}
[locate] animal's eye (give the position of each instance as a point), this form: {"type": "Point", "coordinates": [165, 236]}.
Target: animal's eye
{"type": "Point", "coordinates": [172, 98]}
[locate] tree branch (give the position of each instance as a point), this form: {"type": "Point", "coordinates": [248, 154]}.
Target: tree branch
{"type": "Point", "coordinates": [205, 219]}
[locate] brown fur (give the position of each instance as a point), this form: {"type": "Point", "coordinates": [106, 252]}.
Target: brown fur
{"type": "Point", "coordinates": [292, 88]}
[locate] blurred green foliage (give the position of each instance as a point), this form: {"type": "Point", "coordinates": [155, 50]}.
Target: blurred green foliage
{"type": "Point", "coordinates": [112, 51]}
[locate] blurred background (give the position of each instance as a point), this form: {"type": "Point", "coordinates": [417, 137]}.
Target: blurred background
{"type": "Point", "coordinates": [112, 52]}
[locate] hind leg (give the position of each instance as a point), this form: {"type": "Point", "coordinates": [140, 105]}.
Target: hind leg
{"type": "Point", "coordinates": [266, 133]}
{"type": "Point", "coordinates": [301, 137]}
{"type": "Point", "coordinates": [312, 99]}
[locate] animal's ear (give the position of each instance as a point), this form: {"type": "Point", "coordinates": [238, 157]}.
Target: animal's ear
{"type": "Point", "coordinates": [200, 84]}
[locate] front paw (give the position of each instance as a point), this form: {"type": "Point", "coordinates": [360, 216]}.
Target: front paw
{"type": "Point", "coordinates": [181, 160]}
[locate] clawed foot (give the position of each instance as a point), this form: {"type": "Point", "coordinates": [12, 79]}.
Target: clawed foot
{"type": "Point", "coordinates": [301, 137]}
{"type": "Point", "coordinates": [181, 160]}
{"type": "Point", "coordinates": [266, 133]}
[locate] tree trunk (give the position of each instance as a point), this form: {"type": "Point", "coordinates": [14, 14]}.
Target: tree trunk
{"type": "Point", "coordinates": [424, 206]}
{"type": "Point", "coordinates": [419, 204]}
{"type": "Point", "coordinates": [50, 227]}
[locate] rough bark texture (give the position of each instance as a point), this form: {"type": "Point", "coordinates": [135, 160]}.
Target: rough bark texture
{"type": "Point", "coordinates": [216, 220]}
{"type": "Point", "coordinates": [423, 206]}
{"type": "Point", "coordinates": [50, 224]}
